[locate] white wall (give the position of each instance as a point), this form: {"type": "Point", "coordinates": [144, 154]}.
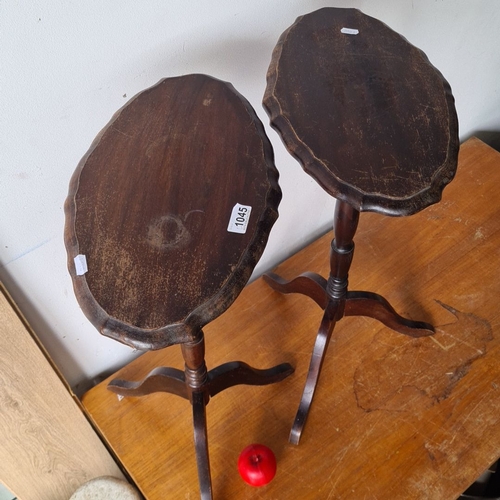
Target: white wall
{"type": "Point", "coordinates": [67, 66]}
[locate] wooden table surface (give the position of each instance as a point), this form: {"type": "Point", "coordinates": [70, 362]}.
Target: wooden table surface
{"type": "Point", "coordinates": [393, 417]}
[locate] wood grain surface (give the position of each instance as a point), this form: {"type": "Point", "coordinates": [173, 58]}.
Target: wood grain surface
{"type": "Point", "coordinates": [367, 115]}
{"type": "Point", "coordinates": [149, 207]}
{"type": "Point", "coordinates": [393, 417]}
{"type": "Point", "coordinates": [48, 448]}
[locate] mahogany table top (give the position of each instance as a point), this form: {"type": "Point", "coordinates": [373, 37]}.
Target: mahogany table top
{"type": "Point", "coordinates": [394, 417]}
{"type": "Point", "coordinates": [364, 111]}
{"type": "Point", "coordinates": [150, 204]}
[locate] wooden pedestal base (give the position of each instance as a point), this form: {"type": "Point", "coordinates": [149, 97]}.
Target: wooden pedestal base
{"type": "Point", "coordinates": [332, 296]}
{"type": "Point", "coordinates": [198, 385]}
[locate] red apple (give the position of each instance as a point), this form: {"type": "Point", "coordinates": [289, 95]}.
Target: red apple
{"type": "Point", "coordinates": [257, 465]}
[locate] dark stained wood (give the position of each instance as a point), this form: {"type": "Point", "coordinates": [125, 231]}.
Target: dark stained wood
{"type": "Point", "coordinates": [395, 417]}
{"type": "Point", "coordinates": [374, 123]}
{"type": "Point", "coordinates": [333, 297]}
{"type": "Point", "coordinates": [149, 206]}
{"type": "Point", "coordinates": [366, 115]}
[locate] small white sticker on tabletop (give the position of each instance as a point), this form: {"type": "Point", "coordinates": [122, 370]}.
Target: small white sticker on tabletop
{"type": "Point", "coordinates": [238, 221]}
{"type": "Point", "coordinates": [349, 31]}
{"type": "Point", "coordinates": [80, 264]}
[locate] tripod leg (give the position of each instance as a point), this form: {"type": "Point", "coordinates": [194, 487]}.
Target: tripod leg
{"type": "Point", "coordinates": [161, 379]}
{"type": "Point", "coordinates": [318, 356]}
{"type": "Point", "coordinates": [375, 306]}
{"type": "Point", "coordinates": [311, 284]}
{"type": "Point", "coordinates": [237, 372]}
{"type": "Point", "coordinates": [201, 445]}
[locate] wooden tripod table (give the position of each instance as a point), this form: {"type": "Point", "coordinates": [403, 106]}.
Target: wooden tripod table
{"type": "Point", "coordinates": [374, 123]}
{"type": "Point", "coordinates": [167, 215]}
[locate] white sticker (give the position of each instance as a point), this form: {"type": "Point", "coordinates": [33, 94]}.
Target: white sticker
{"type": "Point", "coordinates": [349, 31]}
{"type": "Point", "coordinates": [238, 221]}
{"type": "Point", "coordinates": [80, 265]}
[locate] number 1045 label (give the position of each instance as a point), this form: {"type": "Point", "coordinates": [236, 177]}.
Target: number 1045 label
{"type": "Point", "coordinates": [238, 221]}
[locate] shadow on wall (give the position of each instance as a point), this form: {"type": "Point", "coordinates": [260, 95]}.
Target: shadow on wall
{"type": "Point", "coordinates": [490, 137]}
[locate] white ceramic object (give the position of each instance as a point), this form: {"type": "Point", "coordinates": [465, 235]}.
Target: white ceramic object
{"type": "Point", "coordinates": [106, 488]}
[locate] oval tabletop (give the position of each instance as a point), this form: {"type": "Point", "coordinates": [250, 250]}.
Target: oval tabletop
{"type": "Point", "coordinates": [364, 111]}
{"type": "Point", "coordinates": [170, 209]}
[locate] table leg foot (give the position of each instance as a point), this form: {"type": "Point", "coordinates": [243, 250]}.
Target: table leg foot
{"type": "Point", "coordinates": [375, 306]}
{"type": "Point", "coordinates": [237, 372]}
{"type": "Point", "coordinates": [317, 358]}
{"type": "Point", "coordinates": [201, 445]}
{"type": "Point", "coordinates": [161, 379]}
{"type": "Point", "coordinates": [311, 284]}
